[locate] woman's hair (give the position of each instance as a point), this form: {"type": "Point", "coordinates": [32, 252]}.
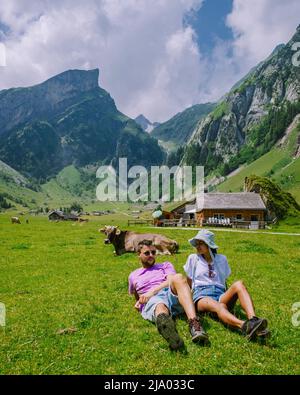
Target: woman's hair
{"type": "Point", "coordinates": [214, 251]}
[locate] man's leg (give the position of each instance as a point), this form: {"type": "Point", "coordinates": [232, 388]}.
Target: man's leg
{"type": "Point", "coordinates": [166, 327]}
{"type": "Point", "coordinates": [180, 287]}
{"type": "Point", "coordinates": [161, 309]}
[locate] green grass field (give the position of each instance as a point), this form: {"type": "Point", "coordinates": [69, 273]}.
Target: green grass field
{"type": "Point", "coordinates": [61, 275]}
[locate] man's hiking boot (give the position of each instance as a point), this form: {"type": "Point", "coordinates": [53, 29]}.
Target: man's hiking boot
{"type": "Point", "coordinates": [197, 332]}
{"type": "Point", "coordinates": [253, 327]}
{"type": "Point", "coordinates": [166, 327]}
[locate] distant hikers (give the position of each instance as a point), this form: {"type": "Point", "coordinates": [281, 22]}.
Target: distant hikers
{"type": "Point", "coordinates": [207, 272]}
{"type": "Point", "coordinates": [160, 294]}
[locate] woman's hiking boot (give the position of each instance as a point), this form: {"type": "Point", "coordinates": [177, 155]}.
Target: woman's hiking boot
{"type": "Point", "coordinates": [166, 327]}
{"type": "Point", "coordinates": [254, 327]}
{"type": "Point", "coordinates": [264, 334]}
{"type": "Point", "coordinates": [197, 332]}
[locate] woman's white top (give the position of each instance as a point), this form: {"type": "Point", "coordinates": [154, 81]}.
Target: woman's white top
{"type": "Point", "coordinates": [197, 269]}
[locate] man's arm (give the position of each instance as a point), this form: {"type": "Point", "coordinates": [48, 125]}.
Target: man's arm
{"type": "Point", "coordinates": [143, 299]}
{"type": "Point", "coordinates": [136, 295]}
{"type": "Point", "coordinates": [137, 304]}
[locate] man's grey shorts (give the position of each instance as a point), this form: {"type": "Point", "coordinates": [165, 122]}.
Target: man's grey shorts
{"type": "Point", "coordinates": [166, 297]}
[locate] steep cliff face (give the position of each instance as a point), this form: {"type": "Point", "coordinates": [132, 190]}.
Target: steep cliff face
{"type": "Point", "coordinates": [66, 120]}
{"type": "Point", "coordinates": [278, 202]}
{"type": "Point", "coordinates": [20, 105]}
{"type": "Point", "coordinates": [269, 87]}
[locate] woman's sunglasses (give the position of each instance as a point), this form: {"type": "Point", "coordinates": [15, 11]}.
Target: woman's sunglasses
{"type": "Point", "coordinates": [211, 272]}
{"type": "Point", "coordinates": [152, 252]}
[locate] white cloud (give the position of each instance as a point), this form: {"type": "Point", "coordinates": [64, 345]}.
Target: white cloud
{"type": "Point", "coordinates": [139, 46]}
{"type": "Point", "coordinates": [149, 62]}
{"type": "Point", "coordinates": [260, 25]}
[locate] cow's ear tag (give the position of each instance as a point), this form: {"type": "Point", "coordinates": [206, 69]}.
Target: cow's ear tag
{"type": "Point", "coordinates": [118, 232]}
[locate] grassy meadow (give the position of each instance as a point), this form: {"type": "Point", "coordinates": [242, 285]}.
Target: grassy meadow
{"type": "Point", "coordinates": [61, 275]}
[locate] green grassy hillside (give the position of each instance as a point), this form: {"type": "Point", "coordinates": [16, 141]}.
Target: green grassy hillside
{"type": "Point", "coordinates": [61, 275]}
{"type": "Point", "coordinates": [279, 164]}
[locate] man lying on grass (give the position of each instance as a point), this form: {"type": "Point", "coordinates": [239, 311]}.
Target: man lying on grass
{"type": "Point", "coordinates": [207, 272]}
{"type": "Point", "coordinates": [161, 294]}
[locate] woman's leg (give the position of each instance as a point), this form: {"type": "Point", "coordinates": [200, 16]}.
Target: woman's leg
{"type": "Point", "coordinates": [207, 304]}
{"type": "Point", "coordinates": [239, 291]}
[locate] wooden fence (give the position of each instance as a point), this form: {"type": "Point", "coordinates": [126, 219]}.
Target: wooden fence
{"type": "Point", "coordinates": [140, 222]}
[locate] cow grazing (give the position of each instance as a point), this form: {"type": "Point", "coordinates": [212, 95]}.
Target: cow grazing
{"type": "Point", "coordinates": [127, 241]}
{"type": "Point", "coordinates": [82, 219]}
{"type": "Point", "coordinates": [15, 220]}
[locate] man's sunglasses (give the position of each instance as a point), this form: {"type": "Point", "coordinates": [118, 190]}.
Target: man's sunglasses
{"type": "Point", "coordinates": [152, 252]}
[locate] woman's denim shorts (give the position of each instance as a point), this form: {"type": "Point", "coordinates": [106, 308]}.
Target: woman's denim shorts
{"type": "Point", "coordinates": [166, 297]}
{"type": "Point", "coordinates": [212, 291]}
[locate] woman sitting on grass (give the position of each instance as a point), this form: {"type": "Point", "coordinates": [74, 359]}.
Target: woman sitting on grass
{"type": "Point", "coordinates": [207, 273]}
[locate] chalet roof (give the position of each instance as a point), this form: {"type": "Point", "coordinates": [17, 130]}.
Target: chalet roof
{"type": "Point", "coordinates": [58, 212]}
{"type": "Point", "coordinates": [181, 205]}
{"type": "Point", "coordinates": [240, 201]}
{"type": "Point", "coordinates": [70, 216]}
{"type": "Point", "coordinates": [63, 215]}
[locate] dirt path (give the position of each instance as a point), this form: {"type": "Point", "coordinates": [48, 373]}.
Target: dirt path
{"type": "Point", "coordinates": [234, 231]}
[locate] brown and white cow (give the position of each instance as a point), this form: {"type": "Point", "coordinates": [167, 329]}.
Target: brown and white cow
{"type": "Point", "coordinates": [15, 220]}
{"type": "Point", "coordinates": [127, 241]}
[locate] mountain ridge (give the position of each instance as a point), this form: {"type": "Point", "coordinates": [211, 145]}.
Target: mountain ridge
{"type": "Point", "coordinates": [68, 119]}
{"type": "Point", "coordinates": [251, 117]}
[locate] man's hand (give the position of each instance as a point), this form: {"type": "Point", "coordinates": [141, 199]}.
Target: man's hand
{"type": "Point", "coordinates": [145, 297]}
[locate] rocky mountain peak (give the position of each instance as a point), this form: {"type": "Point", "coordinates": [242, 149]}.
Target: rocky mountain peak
{"type": "Point", "coordinates": [18, 105]}
{"type": "Point", "coordinates": [145, 124]}
{"type": "Point", "coordinates": [82, 80]}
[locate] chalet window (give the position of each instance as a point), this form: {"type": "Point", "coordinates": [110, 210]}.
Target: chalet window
{"type": "Point", "coordinates": [219, 216]}
{"type": "Point", "coordinates": [239, 216]}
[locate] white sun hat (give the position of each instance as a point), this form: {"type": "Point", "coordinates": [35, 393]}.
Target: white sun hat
{"type": "Point", "coordinates": [206, 236]}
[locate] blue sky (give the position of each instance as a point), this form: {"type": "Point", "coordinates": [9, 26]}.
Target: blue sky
{"type": "Point", "coordinates": [154, 60]}
{"type": "Point", "coordinates": [209, 23]}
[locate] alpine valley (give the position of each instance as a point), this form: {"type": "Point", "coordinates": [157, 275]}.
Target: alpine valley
{"type": "Point", "coordinates": [54, 136]}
